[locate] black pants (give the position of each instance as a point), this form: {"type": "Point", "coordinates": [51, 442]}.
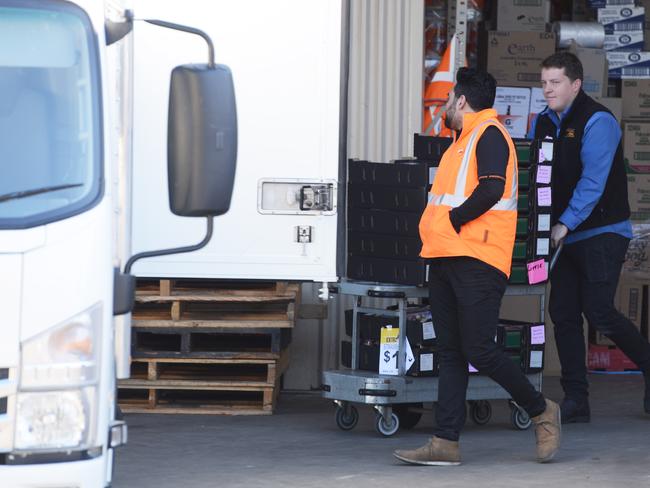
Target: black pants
{"type": "Point", "coordinates": [584, 281]}
{"type": "Point", "coordinates": [465, 296]}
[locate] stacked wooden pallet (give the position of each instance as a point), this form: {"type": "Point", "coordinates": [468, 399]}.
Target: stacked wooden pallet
{"type": "Point", "coordinates": [206, 348]}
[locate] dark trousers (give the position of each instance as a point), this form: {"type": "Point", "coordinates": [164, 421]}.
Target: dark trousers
{"type": "Point", "coordinates": [465, 296]}
{"type": "Point", "coordinates": [584, 281]}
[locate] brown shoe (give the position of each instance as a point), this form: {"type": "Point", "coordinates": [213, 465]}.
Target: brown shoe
{"type": "Point", "coordinates": [548, 430]}
{"type": "Point", "coordinates": [436, 452]}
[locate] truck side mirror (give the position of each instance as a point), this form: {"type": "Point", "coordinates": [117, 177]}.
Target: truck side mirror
{"type": "Point", "coordinates": [202, 140]}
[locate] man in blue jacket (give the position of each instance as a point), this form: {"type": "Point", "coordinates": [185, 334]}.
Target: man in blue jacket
{"type": "Point", "coordinates": [590, 213]}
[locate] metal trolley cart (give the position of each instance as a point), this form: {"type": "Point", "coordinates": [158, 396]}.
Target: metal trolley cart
{"type": "Point", "coordinates": [398, 400]}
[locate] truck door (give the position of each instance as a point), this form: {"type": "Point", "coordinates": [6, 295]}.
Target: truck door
{"type": "Point", "coordinates": [285, 57]}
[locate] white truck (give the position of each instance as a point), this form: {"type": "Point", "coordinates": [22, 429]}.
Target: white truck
{"type": "Point", "coordinates": [108, 151]}
{"type": "Point", "coordinates": [89, 123]}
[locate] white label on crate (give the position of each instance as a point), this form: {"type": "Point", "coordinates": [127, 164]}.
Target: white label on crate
{"type": "Point", "coordinates": [536, 359]}
{"type": "Point", "coordinates": [546, 152]}
{"type": "Point", "coordinates": [426, 362]}
{"type": "Point", "coordinates": [542, 246]}
{"type": "Point", "coordinates": [537, 334]}
{"type": "Point", "coordinates": [544, 173]}
{"type": "Point", "coordinates": [544, 222]}
{"type": "Point", "coordinates": [389, 352]}
{"type": "Point", "coordinates": [428, 332]}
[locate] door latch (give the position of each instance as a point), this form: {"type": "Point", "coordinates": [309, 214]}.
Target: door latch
{"type": "Point", "coordinates": [316, 197]}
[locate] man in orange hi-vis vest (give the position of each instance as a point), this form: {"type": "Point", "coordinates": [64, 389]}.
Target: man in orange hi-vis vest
{"type": "Point", "coordinates": [468, 234]}
{"type": "Point", "coordinates": [437, 94]}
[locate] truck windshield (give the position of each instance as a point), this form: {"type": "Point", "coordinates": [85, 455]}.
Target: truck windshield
{"type": "Point", "coordinates": [50, 124]}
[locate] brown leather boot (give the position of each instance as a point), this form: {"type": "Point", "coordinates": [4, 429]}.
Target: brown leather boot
{"type": "Point", "coordinates": [548, 431]}
{"type": "Point", "coordinates": [436, 452]}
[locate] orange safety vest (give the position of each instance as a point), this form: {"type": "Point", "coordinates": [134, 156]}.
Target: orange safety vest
{"type": "Point", "coordinates": [489, 238]}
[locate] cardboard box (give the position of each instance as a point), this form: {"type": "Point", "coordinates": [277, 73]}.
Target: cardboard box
{"type": "Point", "coordinates": [594, 65]}
{"type": "Point", "coordinates": [627, 65]}
{"type": "Point", "coordinates": [537, 104]}
{"type": "Point", "coordinates": [514, 58]}
{"type": "Point", "coordinates": [636, 99]}
{"type": "Point", "coordinates": [636, 268]}
{"type": "Point", "coordinates": [513, 105]}
{"type": "Point", "coordinates": [608, 3]}
{"type": "Point", "coordinates": [624, 41]}
{"type": "Point", "coordinates": [526, 15]}
{"type": "Point", "coordinates": [636, 147]}
{"type": "Point", "coordinates": [615, 105]}
{"type": "Point", "coordinates": [622, 19]}
{"type": "Point", "coordinates": [638, 193]}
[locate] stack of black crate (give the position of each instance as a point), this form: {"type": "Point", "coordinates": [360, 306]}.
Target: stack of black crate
{"type": "Point", "coordinates": [524, 343]}
{"type": "Point", "coordinates": [419, 333]}
{"type": "Point", "coordinates": [385, 203]}
{"type": "Point", "coordinates": [533, 214]}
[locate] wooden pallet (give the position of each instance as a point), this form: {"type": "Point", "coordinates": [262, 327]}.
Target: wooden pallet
{"type": "Point", "coordinates": [211, 386]}
{"type": "Point", "coordinates": [196, 304]}
{"type": "Point", "coordinates": [208, 342]}
{"type": "Point", "coordinates": [200, 346]}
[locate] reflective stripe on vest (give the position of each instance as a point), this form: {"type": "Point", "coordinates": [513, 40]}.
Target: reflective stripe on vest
{"type": "Point", "coordinates": [458, 197]}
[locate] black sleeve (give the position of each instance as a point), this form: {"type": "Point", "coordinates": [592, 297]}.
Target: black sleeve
{"type": "Point", "coordinates": [492, 160]}
{"type": "Point", "coordinates": [492, 153]}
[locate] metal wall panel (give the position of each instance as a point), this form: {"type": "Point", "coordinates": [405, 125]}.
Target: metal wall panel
{"type": "Point", "coordinates": [385, 78]}
{"type": "Point", "coordinates": [384, 104]}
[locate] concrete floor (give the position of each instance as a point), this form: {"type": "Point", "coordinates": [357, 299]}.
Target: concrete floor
{"type": "Point", "coordinates": [301, 446]}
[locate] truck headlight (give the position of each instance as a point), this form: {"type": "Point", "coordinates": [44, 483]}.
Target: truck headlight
{"type": "Point", "coordinates": [54, 419]}
{"type": "Point", "coordinates": [64, 356]}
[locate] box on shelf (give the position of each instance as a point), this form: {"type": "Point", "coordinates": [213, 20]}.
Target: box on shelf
{"type": "Point", "coordinates": [632, 40]}
{"type": "Point", "coordinates": [636, 99]}
{"type": "Point", "coordinates": [638, 194]}
{"type": "Point", "coordinates": [636, 147]}
{"type": "Point", "coordinates": [527, 16]}
{"type": "Point", "coordinates": [594, 66]}
{"type": "Point", "coordinates": [537, 104]}
{"type": "Point", "coordinates": [513, 58]}
{"type": "Point", "coordinates": [607, 3]}
{"type": "Point", "coordinates": [512, 105]}
{"type": "Point", "coordinates": [619, 19]}
{"type": "Point", "coordinates": [628, 65]}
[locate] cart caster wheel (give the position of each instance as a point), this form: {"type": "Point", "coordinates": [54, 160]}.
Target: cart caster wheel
{"type": "Point", "coordinates": [480, 411]}
{"type": "Point", "coordinates": [407, 419]}
{"type": "Point", "coordinates": [519, 418]}
{"type": "Point", "coordinates": [347, 417]}
{"type": "Point", "coordinates": [386, 429]}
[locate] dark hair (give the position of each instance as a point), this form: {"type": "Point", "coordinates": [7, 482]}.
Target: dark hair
{"type": "Point", "coordinates": [479, 88]}
{"type": "Point", "coordinates": [569, 61]}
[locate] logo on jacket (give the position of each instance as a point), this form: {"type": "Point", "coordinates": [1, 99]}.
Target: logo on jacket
{"type": "Point", "coordinates": [571, 133]}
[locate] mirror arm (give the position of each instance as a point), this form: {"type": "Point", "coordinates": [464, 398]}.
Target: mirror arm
{"type": "Point", "coordinates": [165, 252]}
{"type": "Point", "coordinates": [191, 30]}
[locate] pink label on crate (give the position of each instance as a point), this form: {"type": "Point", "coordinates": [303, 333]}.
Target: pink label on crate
{"type": "Point", "coordinates": [537, 335]}
{"type": "Point", "coordinates": [544, 198]}
{"type": "Point", "coordinates": [537, 272]}
{"type": "Point", "coordinates": [471, 368]}
{"type": "Point", "coordinates": [544, 174]}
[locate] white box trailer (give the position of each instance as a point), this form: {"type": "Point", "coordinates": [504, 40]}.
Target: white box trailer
{"type": "Point", "coordinates": [84, 91]}
{"type": "Point", "coordinates": [286, 62]}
